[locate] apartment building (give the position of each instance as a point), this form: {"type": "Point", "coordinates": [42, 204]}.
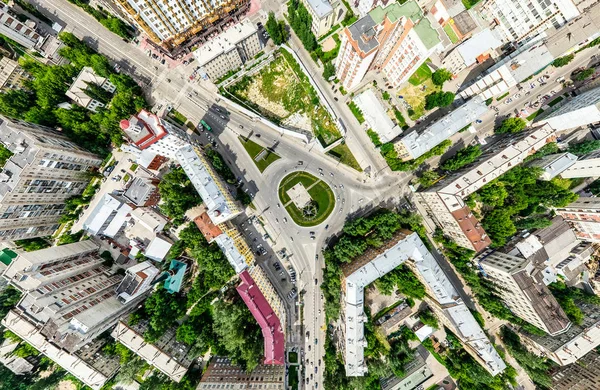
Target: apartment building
{"type": "Point", "coordinates": [79, 90]}
{"type": "Point", "coordinates": [522, 289]}
{"type": "Point", "coordinates": [519, 21]}
{"type": "Point", "coordinates": [444, 201]}
{"type": "Point", "coordinates": [577, 111]}
{"type": "Point", "coordinates": [221, 373]}
{"type": "Point", "coordinates": [12, 75]}
{"type": "Point", "coordinates": [46, 169]}
{"type": "Point", "coordinates": [220, 204]}
{"type": "Point", "coordinates": [394, 40]}
{"type": "Point", "coordinates": [24, 34]}
{"type": "Point", "coordinates": [229, 50]}
{"type": "Point", "coordinates": [417, 143]}
{"type": "Point", "coordinates": [325, 14]}
{"type": "Point", "coordinates": [407, 247]}
{"type": "Point", "coordinates": [583, 216]}
{"type": "Point", "coordinates": [582, 375]}
{"type": "Point", "coordinates": [261, 279]}
{"type": "Point", "coordinates": [171, 23]}
{"type": "Point", "coordinates": [475, 50]}
{"type": "Point", "coordinates": [153, 138]}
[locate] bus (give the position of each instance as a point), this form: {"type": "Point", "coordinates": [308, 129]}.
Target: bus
{"type": "Point", "coordinates": [205, 125]}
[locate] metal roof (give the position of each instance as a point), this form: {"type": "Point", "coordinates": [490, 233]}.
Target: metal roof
{"type": "Point", "coordinates": [376, 116]}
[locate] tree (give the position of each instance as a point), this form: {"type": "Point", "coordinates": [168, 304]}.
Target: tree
{"type": "Point", "coordinates": [15, 103]}
{"type": "Point", "coordinates": [32, 244]}
{"type": "Point", "coordinates": [493, 194]}
{"type": "Point", "coordinates": [301, 23]}
{"type": "Point", "coordinates": [328, 70]}
{"type": "Point", "coordinates": [584, 147]}
{"type": "Point", "coordinates": [463, 157]}
{"type": "Point", "coordinates": [5, 154]}
{"type": "Point", "coordinates": [163, 310]}
{"type": "Point", "coordinates": [535, 222]}
{"type": "Point", "coordinates": [177, 194]}
{"type": "Point", "coordinates": [8, 299]}
{"type": "Point", "coordinates": [584, 74]}
{"type": "Point", "coordinates": [438, 99]}
{"type": "Point", "coordinates": [499, 226]}
{"type": "Point", "coordinates": [562, 61]}
{"type": "Point", "coordinates": [276, 29]}
{"type": "Point", "coordinates": [428, 318]}
{"type": "Point", "coordinates": [511, 125]}
{"type": "Point", "coordinates": [440, 76]}
{"type": "Point", "coordinates": [428, 178]}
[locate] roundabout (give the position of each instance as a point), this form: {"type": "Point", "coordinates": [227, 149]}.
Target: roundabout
{"type": "Point", "coordinates": [307, 199]}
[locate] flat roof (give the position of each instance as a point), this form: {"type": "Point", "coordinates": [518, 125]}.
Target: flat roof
{"type": "Point", "coordinates": [232, 254]}
{"type": "Point", "coordinates": [376, 116]}
{"type": "Point", "coordinates": [224, 42]}
{"type": "Point", "coordinates": [321, 7]}
{"type": "Point", "coordinates": [554, 164]}
{"type": "Point", "coordinates": [206, 226]}
{"type": "Point", "coordinates": [139, 190]}
{"type": "Point", "coordinates": [479, 43]}
{"type": "Point", "coordinates": [158, 248]}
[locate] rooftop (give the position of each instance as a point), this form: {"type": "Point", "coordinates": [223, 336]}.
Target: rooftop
{"type": "Point", "coordinates": [158, 248]}
{"type": "Point", "coordinates": [77, 90]}
{"type": "Point", "coordinates": [208, 229]}
{"type": "Point", "coordinates": [238, 260]}
{"type": "Point", "coordinates": [176, 273]}
{"type": "Point", "coordinates": [138, 279]}
{"type": "Point", "coordinates": [479, 43]}
{"type": "Point", "coordinates": [108, 217]}
{"type": "Point", "coordinates": [376, 116]}
{"type": "Point", "coordinates": [139, 190]}
{"type": "Point", "coordinates": [321, 7]}
{"type": "Point", "coordinates": [225, 42]}
{"type": "Point", "coordinates": [415, 372]}
{"type": "Point", "coordinates": [464, 22]}
{"type": "Point", "coordinates": [144, 129]}
{"type": "Point", "coordinates": [554, 164]}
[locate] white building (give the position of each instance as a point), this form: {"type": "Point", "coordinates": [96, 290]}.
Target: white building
{"type": "Point", "coordinates": [12, 28]}
{"type": "Point", "coordinates": [519, 20]}
{"type": "Point", "coordinates": [325, 14]}
{"type": "Point", "coordinates": [12, 75]}
{"type": "Point", "coordinates": [45, 170]}
{"type": "Point", "coordinates": [376, 116]}
{"type": "Point", "coordinates": [375, 263]}
{"type": "Point", "coordinates": [77, 90]}
{"type": "Point", "coordinates": [554, 164]}
{"type": "Point", "coordinates": [229, 50]}
{"type": "Point", "coordinates": [217, 199]}
{"type": "Point", "coordinates": [415, 144]}
{"type": "Point", "coordinates": [583, 216]}
{"type": "Point", "coordinates": [579, 111]}
{"type": "Point", "coordinates": [474, 50]}
{"type": "Point", "coordinates": [108, 217]}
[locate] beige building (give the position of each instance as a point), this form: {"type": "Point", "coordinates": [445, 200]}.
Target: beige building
{"type": "Point", "coordinates": [77, 91]}
{"type": "Point", "coordinates": [229, 50]}
{"type": "Point", "coordinates": [12, 75]}
{"type": "Point", "coordinates": [325, 14]}
{"type": "Point", "coordinates": [221, 373]}
{"type": "Point", "coordinates": [45, 170]}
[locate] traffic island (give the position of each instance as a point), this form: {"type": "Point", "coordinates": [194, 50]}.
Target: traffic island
{"type": "Point", "coordinates": [307, 199]}
{"type": "Point", "coordinates": [261, 156]}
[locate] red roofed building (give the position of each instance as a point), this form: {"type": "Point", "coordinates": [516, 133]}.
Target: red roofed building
{"type": "Point", "coordinates": [266, 318]}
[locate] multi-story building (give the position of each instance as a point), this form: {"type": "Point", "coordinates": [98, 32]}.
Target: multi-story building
{"type": "Point", "coordinates": [580, 110]}
{"type": "Point", "coordinates": [582, 375]}
{"type": "Point", "coordinates": [265, 286]}
{"type": "Point", "coordinates": [570, 346]}
{"type": "Point", "coordinates": [519, 21]}
{"type": "Point", "coordinates": [222, 374]}
{"type": "Point", "coordinates": [475, 50]}
{"type": "Point", "coordinates": [406, 246]}
{"type": "Point", "coordinates": [416, 372]}
{"type": "Point", "coordinates": [12, 75]}
{"type": "Point", "coordinates": [415, 144]}
{"type": "Point", "coordinates": [154, 138]}
{"type": "Point", "coordinates": [12, 28]}
{"type": "Point", "coordinates": [228, 50]}
{"type": "Point", "coordinates": [444, 202]}
{"type": "Point", "coordinates": [79, 93]}
{"type": "Point", "coordinates": [171, 23]}
{"type": "Point", "coordinates": [46, 169]}
{"type": "Point", "coordinates": [394, 40]}
{"type": "Point", "coordinates": [220, 204]}
{"type": "Point", "coordinates": [521, 287]}
{"type": "Point", "coordinates": [325, 14]}
{"type": "Point", "coordinates": [583, 216]}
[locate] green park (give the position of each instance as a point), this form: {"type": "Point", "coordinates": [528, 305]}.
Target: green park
{"type": "Point", "coordinates": [307, 199]}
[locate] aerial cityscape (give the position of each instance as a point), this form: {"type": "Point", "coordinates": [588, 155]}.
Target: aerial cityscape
{"type": "Point", "coordinates": [300, 194]}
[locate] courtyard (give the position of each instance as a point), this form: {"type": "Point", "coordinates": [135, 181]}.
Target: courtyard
{"type": "Point", "coordinates": [307, 199]}
{"type": "Point", "coordinates": [419, 85]}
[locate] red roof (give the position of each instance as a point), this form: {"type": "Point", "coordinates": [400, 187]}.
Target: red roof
{"type": "Point", "coordinates": [266, 318]}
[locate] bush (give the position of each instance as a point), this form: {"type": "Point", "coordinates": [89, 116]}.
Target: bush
{"type": "Point", "coordinates": [438, 99]}
{"type": "Point", "coordinates": [356, 111]}
{"type": "Point", "coordinates": [584, 74]}
{"type": "Point", "coordinates": [511, 125]}
{"type": "Point", "coordinates": [562, 61]}
{"type": "Point", "coordinates": [428, 178]}
{"type": "Point", "coordinates": [374, 138]}
{"type": "Point", "coordinates": [463, 157]}
{"type": "Point", "coordinates": [440, 76]}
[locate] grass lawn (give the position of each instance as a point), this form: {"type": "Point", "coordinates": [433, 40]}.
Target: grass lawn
{"type": "Point", "coordinates": [555, 101]}
{"type": "Point", "coordinates": [178, 117]}
{"type": "Point", "coordinates": [320, 193]}
{"type": "Point", "coordinates": [293, 357]}
{"type": "Point", "coordinates": [133, 167]}
{"type": "Point", "coordinates": [450, 33]}
{"type": "Point", "coordinates": [534, 115]}
{"type": "Point", "coordinates": [293, 377]}
{"type": "Point", "coordinates": [343, 153]}
{"type": "Point", "coordinates": [415, 96]}
{"type": "Point", "coordinates": [254, 150]}
{"type": "Point", "coordinates": [421, 74]}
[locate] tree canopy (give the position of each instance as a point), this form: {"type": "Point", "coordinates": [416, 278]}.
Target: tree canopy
{"type": "Point", "coordinates": [584, 74]}
{"type": "Point", "coordinates": [440, 76]}
{"type": "Point", "coordinates": [276, 29]}
{"type": "Point", "coordinates": [511, 125]}
{"type": "Point", "coordinates": [562, 61]}
{"type": "Point", "coordinates": [301, 23]}
{"type": "Point", "coordinates": [162, 309]}
{"type": "Point", "coordinates": [463, 157]}
{"type": "Point", "coordinates": [584, 147]}
{"type": "Point", "coordinates": [177, 195]}
{"type": "Point", "coordinates": [438, 99]}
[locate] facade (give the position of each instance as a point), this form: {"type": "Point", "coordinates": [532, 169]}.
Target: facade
{"type": "Point", "coordinates": [77, 91]}
{"type": "Point", "coordinates": [46, 169]}
{"type": "Point", "coordinates": [394, 40]}
{"type": "Point", "coordinates": [416, 144]}
{"type": "Point", "coordinates": [229, 50]}
{"type": "Point", "coordinates": [476, 49]}
{"type": "Point", "coordinates": [12, 75]}
{"type": "Point", "coordinates": [222, 374]}
{"type": "Point", "coordinates": [12, 28]}
{"type": "Point", "coordinates": [211, 188]}
{"type": "Point", "coordinates": [375, 263]}
{"type": "Point", "coordinates": [583, 216]}
{"type": "Point", "coordinates": [579, 111]}
{"type": "Point", "coordinates": [521, 287]}
{"type": "Point", "coordinates": [519, 21]}
{"type": "Point", "coordinates": [444, 201]}
{"type": "Point", "coordinates": [325, 14]}
{"type": "Point", "coordinates": [172, 23]}
{"type": "Point", "coordinates": [583, 375]}
{"type": "Point", "coordinates": [555, 164]}
{"type": "Point", "coordinates": [376, 116]}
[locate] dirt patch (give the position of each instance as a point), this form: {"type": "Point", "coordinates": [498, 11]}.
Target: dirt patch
{"type": "Point", "coordinates": [377, 301]}
{"type": "Point", "coordinates": [328, 45]}
{"type": "Point", "coordinates": [66, 385]}
{"type": "Point", "coordinates": [415, 96]}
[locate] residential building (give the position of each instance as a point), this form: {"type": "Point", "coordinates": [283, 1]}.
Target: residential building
{"type": "Point", "coordinates": [169, 356]}
{"type": "Point", "coordinates": [416, 372]}
{"type": "Point", "coordinates": [580, 110]}
{"type": "Point", "coordinates": [582, 375]}
{"type": "Point", "coordinates": [220, 204]}
{"type": "Point", "coordinates": [475, 50]}
{"type": "Point", "coordinates": [153, 137]}
{"type": "Point", "coordinates": [16, 364]}
{"type": "Point", "coordinates": [393, 320]}
{"type": "Point", "coordinates": [265, 286]}
{"type": "Point", "coordinates": [375, 263]}
{"type": "Point", "coordinates": [325, 14]}
{"type": "Point", "coordinates": [444, 202]}
{"type": "Point", "coordinates": [376, 116]}
{"type": "Point", "coordinates": [142, 191]}
{"type": "Point", "coordinates": [395, 40]}
{"type": "Point", "coordinates": [21, 33]}
{"type": "Point", "coordinates": [229, 50]}
{"type": "Point", "coordinates": [263, 313]}
{"type": "Point", "coordinates": [12, 75]}
{"type": "Point", "coordinates": [519, 21]}
{"type": "Point", "coordinates": [109, 216]}
{"type": "Point", "coordinates": [583, 216]}
{"type": "Point", "coordinates": [570, 346]}
{"type": "Point", "coordinates": [554, 164]}
{"type": "Point", "coordinates": [521, 287]}
{"type": "Point", "coordinates": [416, 144]}
{"type": "Point", "coordinates": [222, 373]}
{"type": "Point", "coordinates": [80, 92]}
{"type": "Point", "coordinates": [172, 23]}
{"type": "Point", "coordinates": [46, 169]}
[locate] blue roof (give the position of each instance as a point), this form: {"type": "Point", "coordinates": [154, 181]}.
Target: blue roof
{"type": "Point", "coordinates": [175, 279]}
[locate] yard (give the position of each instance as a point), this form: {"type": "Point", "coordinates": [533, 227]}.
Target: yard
{"type": "Point", "coordinates": [419, 85]}
{"type": "Point", "coordinates": [450, 33]}
{"type": "Point", "coordinates": [322, 197]}
{"type": "Point", "coordinates": [282, 93]}
{"type": "Point", "coordinates": [421, 74]}
{"type": "Point", "coordinates": [255, 150]}
{"type": "Point", "coordinates": [344, 155]}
